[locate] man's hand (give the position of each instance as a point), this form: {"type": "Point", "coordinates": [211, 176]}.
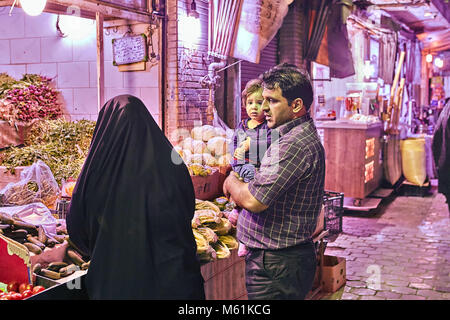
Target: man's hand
{"type": "Point", "coordinates": [237, 190]}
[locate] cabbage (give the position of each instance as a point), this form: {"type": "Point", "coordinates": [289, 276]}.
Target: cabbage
{"type": "Point", "coordinates": [229, 241]}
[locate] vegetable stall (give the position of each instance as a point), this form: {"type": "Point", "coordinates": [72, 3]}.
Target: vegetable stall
{"type": "Point", "coordinates": [38, 179]}
{"type": "Point", "coordinates": [41, 155]}
{"type": "Point", "coordinates": [33, 227]}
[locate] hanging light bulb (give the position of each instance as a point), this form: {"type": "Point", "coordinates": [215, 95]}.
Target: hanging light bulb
{"type": "Point", "coordinates": [193, 12]}
{"type": "Point", "coordinates": [438, 62]}
{"type": "Point", "coordinates": [190, 27]}
{"type": "Point", "coordinates": [368, 69]}
{"type": "Point", "coordinates": [75, 28]}
{"type": "Point", "coordinates": [429, 58]}
{"type": "Point", "coordinates": [33, 7]}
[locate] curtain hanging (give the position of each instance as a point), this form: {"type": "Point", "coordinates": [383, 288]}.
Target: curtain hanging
{"type": "Point", "coordinates": [223, 17]}
{"type": "Point", "coordinates": [335, 49]}
{"type": "Point", "coordinates": [388, 54]}
{"type": "Point", "coordinates": [317, 14]}
{"type": "Point", "coordinates": [258, 24]}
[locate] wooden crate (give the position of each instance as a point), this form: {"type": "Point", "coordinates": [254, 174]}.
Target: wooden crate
{"type": "Point", "coordinates": [12, 135]}
{"type": "Point", "coordinates": [206, 188]}
{"type": "Point", "coordinates": [225, 278]}
{"type": "Point", "coordinates": [6, 177]}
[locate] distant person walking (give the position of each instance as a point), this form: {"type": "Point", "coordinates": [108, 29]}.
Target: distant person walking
{"type": "Point", "coordinates": [441, 151]}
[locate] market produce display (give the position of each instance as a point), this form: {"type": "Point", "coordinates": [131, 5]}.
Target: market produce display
{"type": "Point", "coordinates": [37, 242]}
{"type": "Point", "coordinates": [213, 232]}
{"type": "Point", "coordinates": [206, 146]}
{"type": "Point", "coordinates": [53, 155]}
{"type": "Point", "coordinates": [37, 184]}
{"type": "Point", "coordinates": [62, 145]}
{"type": "Point", "coordinates": [30, 235]}
{"type": "Point", "coordinates": [60, 269]}
{"type": "Point", "coordinates": [196, 169]}
{"type": "Point", "coordinates": [31, 97]}
{"type": "Point", "coordinates": [16, 291]}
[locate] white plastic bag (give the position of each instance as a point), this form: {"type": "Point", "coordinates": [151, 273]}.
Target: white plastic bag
{"type": "Point", "coordinates": [34, 213]}
{"type": "Point", "coordinates": [36, 184]}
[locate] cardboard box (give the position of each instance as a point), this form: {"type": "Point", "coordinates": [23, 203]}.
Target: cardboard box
{"type": "Point", "coordinates": [333, 273]}
{"type": "Point", "coordinates": [206, 188]}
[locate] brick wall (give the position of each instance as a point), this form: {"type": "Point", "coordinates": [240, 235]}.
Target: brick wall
{"type": "Point", "coordinates": [32, 45]}
{"type": "Point", "coordinates": [186, 99]}
{"type": "Point", "coordinates": [291, 35]}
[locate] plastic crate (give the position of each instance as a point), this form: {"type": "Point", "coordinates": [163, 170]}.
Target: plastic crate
{"type": "Point", "coordinates": [62, 207]}
{"type": "Point", "coordinates": [333, 211]}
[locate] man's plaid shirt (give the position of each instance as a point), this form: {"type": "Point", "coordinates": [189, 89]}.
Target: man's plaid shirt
{"type": "Point", "coordinates": [291, 182]}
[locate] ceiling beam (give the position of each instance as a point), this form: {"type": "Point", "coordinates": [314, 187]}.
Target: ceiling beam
{"type": "Point", "coordinates": [443, 7]}
{"type": "Point", "coordinates": [88, 9]}
{"type": "Point", "coordinates": [108, 11]}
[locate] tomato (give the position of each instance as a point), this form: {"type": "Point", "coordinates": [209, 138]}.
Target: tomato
{"type": "Point", "coordinates": [27, 293]}
{"type": "Point", "coordinates": [38, 289]}
{"type": "Point", "coordinates": [25, 286]}
{"type": "Point", "coordinates": [5, 297]}
{"type": "Point", "coordinates": [13, 286]}
{"type": "Point", "coordinates": [16, 296]}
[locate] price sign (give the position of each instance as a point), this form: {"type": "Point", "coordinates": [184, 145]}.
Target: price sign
{"type": "Point", "coordinates": [129, 49]}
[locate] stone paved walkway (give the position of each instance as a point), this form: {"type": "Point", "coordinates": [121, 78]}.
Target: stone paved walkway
{"type": "Point", "coordinates": [399, 252]}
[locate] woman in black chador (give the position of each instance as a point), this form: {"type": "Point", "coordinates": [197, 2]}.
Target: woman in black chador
{"type": "Point", "coordinates": [131, 210]}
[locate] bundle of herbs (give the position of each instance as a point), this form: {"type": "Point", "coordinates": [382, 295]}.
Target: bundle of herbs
{"type": "Point", "coordinates": [62, 145]}
{"type": "Point", "coordinates": [32, 97]}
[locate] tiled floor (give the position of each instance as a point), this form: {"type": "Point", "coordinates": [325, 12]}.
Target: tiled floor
{"type": "Point", "coordinates": [399, 251]}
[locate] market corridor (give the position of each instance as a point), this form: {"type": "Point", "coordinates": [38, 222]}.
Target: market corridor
{"type": "Point", "coordinates": [399, 252]}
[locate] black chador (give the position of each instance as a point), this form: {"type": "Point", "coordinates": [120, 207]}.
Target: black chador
{"type": "Point", "coordinates": [131, 210]}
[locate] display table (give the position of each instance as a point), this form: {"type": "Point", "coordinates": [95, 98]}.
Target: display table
{"type": "Point", "coordinates": [353, 157]}
{"type": "Point", "coordinates": [225, 278]}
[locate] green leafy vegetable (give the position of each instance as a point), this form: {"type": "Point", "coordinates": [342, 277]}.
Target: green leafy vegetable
{"type": "Point", "coordinates": [62, 145]}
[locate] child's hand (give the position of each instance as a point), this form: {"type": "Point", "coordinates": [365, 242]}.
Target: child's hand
{"type": "Point", "coordinates": [239, 153]}
{"type": "Point", "coordinates": [233, 217]}
{"type": "Point", "coordinates": [245, 144]}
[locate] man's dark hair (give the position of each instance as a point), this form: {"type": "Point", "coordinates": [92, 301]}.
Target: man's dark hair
{"type": "Point", "coordinates": [293, 82]}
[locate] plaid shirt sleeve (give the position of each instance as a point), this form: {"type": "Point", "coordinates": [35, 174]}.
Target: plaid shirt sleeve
{"type": "Point", "coordinates": [285, 163]}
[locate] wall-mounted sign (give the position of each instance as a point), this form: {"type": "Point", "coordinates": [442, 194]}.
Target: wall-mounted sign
{"type": "Point", "coordinates": [368, 171]}
{"type": "Point", "coordinates": [370, 148]}
{"type": "Point", "coordinates": [134, 4]}
{"type": "Point", "coordinates": [129, 49]}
